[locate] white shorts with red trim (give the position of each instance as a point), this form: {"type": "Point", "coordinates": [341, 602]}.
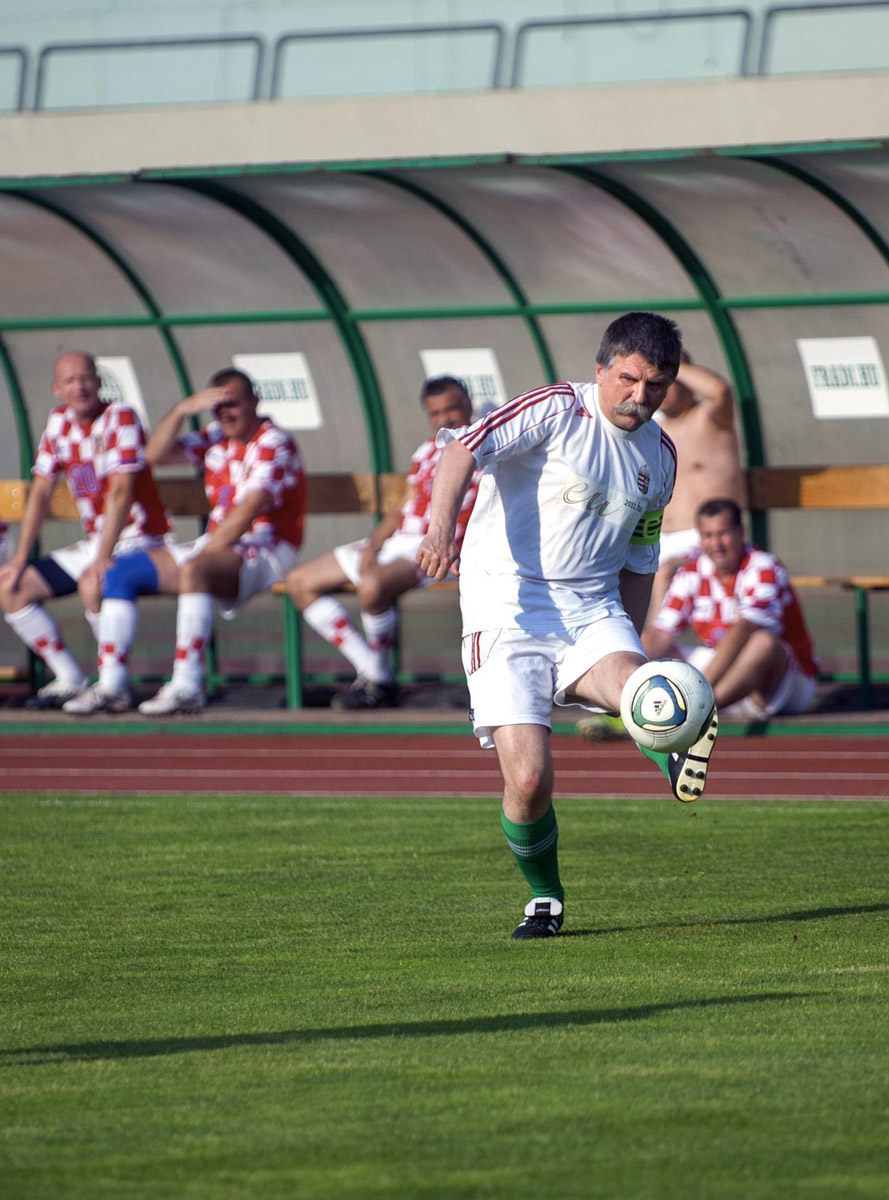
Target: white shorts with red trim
{"type": "Point", "coordinates": [796, 692]}
{"type": "Point", "coordinates": [515, 677]}
{"type": "Point", "coordinates": [397, 546]}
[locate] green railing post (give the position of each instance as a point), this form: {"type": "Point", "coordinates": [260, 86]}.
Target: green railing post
{"type": "Point", "coordinates": [862, 639]}
{"type": "Point", "coordinates": [293, 654]}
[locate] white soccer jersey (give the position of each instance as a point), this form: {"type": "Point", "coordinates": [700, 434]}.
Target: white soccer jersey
{"type": "Point", "coordinates": [566, 501]}
{"type": "Point", "coordinates": [89, 455]}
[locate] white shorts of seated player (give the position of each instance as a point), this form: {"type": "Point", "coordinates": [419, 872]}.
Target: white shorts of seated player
{"type": "Point", "coordinates": [516, 677]}
{"type": "Point", "coordinates": [76, 558]}
{"type": "Point", "coordinates": [680, 543]}
{"type": "Point", "coordinates": [398, 546]}
{"type": "Point", "coordinates": [796, 693]}
{"type": "Point", "coordinates": [261, 566]}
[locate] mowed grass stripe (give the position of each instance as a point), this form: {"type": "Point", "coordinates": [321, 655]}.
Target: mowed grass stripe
{"type": "Point", "coordinates": [248, 996]}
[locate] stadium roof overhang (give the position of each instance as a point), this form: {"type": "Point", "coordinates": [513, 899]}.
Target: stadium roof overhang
{"type": "Point", "coordinates": [367, 236]}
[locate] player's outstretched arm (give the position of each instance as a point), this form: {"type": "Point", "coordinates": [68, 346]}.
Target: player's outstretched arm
{"type": "Point", "coordinates": [438, 554]}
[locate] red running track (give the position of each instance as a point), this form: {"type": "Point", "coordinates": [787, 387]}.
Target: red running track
{"type": "Point", "coordinates": [822, 768]}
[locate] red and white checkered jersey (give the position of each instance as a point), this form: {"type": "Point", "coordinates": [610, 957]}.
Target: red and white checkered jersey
{"type": "Point", "coordinates": [760, 592]}
{"type": "Point", "coordinates": [88, 455]}
{"type": "Point", "coordinates": [566, 501]}
{"type": "Point", "coordinates": [414, 518]}
{"type": "Point", "coordinates": [268, 462]}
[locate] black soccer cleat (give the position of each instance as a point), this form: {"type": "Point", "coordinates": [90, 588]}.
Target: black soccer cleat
{"type": "Point", "coordinates": [543, 918]}
{"type": "Point", "coordinates": [363, 694]}
{"type": "Point", "coordinates": [688, 771]}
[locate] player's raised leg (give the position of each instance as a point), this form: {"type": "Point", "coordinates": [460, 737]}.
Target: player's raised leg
{"type": "Point", "coordinates": [669, 710]}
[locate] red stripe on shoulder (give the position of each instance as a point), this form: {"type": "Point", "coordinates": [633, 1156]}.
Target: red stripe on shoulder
{"type": "Point", "coordinates": [669, 444]}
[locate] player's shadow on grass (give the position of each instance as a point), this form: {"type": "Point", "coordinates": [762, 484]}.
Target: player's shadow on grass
{"type": "Point", "coordinates": [805, 914]}
{"type": "Point", "coordinates": [36, 1056]}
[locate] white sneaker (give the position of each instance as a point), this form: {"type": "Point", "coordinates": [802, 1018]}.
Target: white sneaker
{"type": "Point", "coordinates": [56, 693]}
{"type": "Point", "coordinates": [94, 700]}
{"type": "Point", "coordinates": [171, 699]}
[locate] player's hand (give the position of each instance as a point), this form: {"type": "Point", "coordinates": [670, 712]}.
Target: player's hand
{"type": "Point", "coordinates": [203, 401]}
{"type": "Point", "coordinates": [11, 574]}
{"type": "Point", "coordinates": [438, 557]}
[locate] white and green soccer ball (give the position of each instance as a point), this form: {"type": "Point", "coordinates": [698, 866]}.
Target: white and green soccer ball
{"type": "Point", "coordinates": [666, 704]}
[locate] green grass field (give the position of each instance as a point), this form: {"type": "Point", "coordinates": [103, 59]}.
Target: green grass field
{"type": "Point", "coordinates": [242, 997]}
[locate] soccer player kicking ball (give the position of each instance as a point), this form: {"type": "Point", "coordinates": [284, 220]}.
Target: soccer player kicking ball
{"type": "Point", "coordinates": [556, 572]}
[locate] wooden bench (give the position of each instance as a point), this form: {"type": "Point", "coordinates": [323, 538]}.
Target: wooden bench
{"type": "Point", "coordinates": [818, 487]}
{"type": "Point", "coordinates": [327, 494]}
{"type": "Point", "coordinates": [810, 488]}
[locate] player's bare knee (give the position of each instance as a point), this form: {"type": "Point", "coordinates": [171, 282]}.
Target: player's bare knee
{"type": "Point", "coordinates": [371, 594]}
{"type": "Point", "coordinates": [192, 576]}
{"type": "Point", "coordinates": [300, 590]}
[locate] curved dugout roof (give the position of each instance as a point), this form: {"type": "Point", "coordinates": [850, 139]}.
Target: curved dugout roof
{"type": "Point", "coordinates": [377, 278]}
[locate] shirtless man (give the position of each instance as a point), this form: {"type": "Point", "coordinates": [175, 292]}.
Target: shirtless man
{"type": "Point", "coordinates": [698, 414]}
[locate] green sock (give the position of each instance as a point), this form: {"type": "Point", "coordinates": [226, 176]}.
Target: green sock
{"type": "Point", "coordinates": [658, 757]}
{"type": "Point", "coordinates": [535, 847]}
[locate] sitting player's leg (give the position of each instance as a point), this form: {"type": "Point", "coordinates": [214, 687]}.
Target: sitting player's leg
{"type": "Point", "coordinates": [23, 607]}
{"type": "Point", "coordinates": [130, 576]}
{"type": "Point", "coordinates": [210, 575]}
{"type": "Point", "coordinates": [378, 588]}
{"type": "Point", "coordinates": [310, 585]}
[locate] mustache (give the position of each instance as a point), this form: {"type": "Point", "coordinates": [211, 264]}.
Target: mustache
{"type": "Point", "coordinates": [629, 408]}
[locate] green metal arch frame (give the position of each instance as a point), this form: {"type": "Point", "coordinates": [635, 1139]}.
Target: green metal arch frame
{"type": "Point", "coordinates": [19, 410]}
{"type": "Point", "coordinates": [125, 268]}
{"type": "Point", "coordinates": [715, 307]}
{"type": "Point", "coordinates": [494, 258]}
{"type": "Point", "coordinates": [330, 296]}
{"type": "Point", "coordinates": [832, 195]}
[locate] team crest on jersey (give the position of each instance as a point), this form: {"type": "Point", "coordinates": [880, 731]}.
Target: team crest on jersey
{"type": "Point", "coordinates": [643, 479]}
{"type": "Point", "coordinates": [99, 444]}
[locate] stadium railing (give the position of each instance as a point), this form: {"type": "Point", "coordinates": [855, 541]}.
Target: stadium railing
{"type": "Point", "coordinates": [801, 487]}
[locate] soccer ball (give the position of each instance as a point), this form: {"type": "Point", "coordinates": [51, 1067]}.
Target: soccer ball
{"type": "Point", "coordinates": [666, 704]}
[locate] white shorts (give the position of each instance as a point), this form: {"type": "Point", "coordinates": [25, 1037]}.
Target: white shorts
{"type": "Point", "coordinates": [262, 566]}
{"type": "Point", "coordinates": [397, 546]}
{"type": "Point", "coordinates": [795, 694]}
{"type": "Point", "coordinates": [515, 677]}
{"type": "Point", "coordinates": [680, 543]}
{"type": "Point", "coordinates": [75, 559]}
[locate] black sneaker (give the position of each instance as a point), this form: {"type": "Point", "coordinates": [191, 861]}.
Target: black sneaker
{"type": "Point", "coordinates": [364, 694]}
{"type": "Point", "coordinates": [688, 771]}
{"type": "Point", "coordinates": [543, 918]}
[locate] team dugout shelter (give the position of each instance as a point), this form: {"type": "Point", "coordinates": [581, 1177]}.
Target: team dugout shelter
{"type": "Point", "coordinates": [342, 251]}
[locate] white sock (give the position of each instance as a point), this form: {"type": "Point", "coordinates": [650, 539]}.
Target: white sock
{"type": "Point", "coordinates": [194, 626]}
{"type": "Point", "coordinates": [92, 619]}
{"type": "Point", "coordinates": [118, 622]}
{"type": "Point", "coordinates": [329, 619]}
{"type": "Point", "coordinates": [379, 629]}
{"type": "Point", "coordinates": [39, 632]}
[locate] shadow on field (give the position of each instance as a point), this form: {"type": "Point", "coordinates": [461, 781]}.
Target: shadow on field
{"type": "Point", "coordinates": [806, 914]}
{"type": "Point", "coordinates": [35, 1056]}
